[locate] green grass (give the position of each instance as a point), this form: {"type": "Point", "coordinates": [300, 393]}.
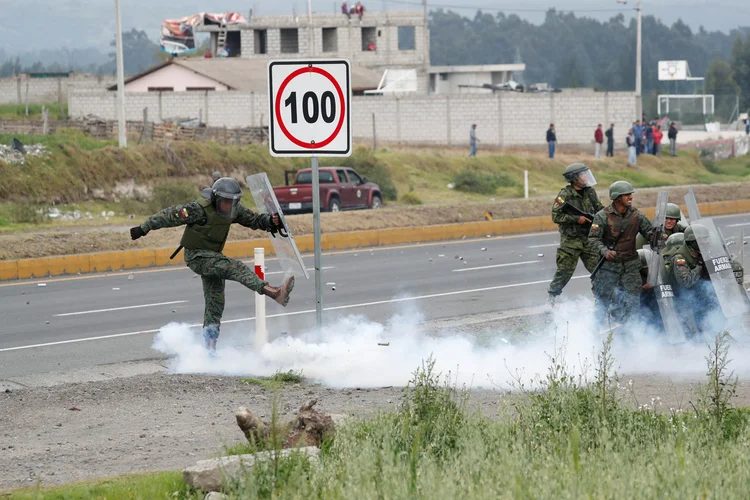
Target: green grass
{"type": "Point", "coordinates": [18, 111]}
{"type": "Point", "coordinates": [276, 380]}
{"type": "Point", "coordinates": [159, 485]}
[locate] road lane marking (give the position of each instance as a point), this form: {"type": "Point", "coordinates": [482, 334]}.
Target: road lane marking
{"type": "Point", "coordinates": [738, 225]}
{"type": "Point", "coordinates": [294, 313]}
{"type": "Point", "coordinates": [544, 246]}
{"type": "Point", "coordinates": [464, 269]}
{"type": "Point", "coordinates": [122, 308]}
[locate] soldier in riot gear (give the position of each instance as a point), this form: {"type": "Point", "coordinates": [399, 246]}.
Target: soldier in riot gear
{"type": "Point", "coordinates": [672, 225]}
{"type": "Point", "coordinates": [616, 281]}
{"type": "Point", "coordinates": [573, 211]}
{"type": "Point", "coordinates": [207, 228]}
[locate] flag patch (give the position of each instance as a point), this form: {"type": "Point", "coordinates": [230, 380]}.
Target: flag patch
{"type": "Point", "coordinates": [183, 213]}
{"type": "Point", "coordinates": [559, 201]}
{"type": "Point", "coordinates": [595, 227]}
{"type": "Point", "coordinates": [680, 262]}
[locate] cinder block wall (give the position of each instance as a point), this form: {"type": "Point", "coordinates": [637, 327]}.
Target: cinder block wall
{"type": "Point", "coordinates": [14, 90]}
{"type": "Point", "coordinates": [506, 119]}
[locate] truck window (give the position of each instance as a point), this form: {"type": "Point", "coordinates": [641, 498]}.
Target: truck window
{"type": "Point", "coordinates": [354, 176]}
{"type": "Point", "coordinates": [306, 177]}
{"type": "Point", "coordinates": [342, 176]}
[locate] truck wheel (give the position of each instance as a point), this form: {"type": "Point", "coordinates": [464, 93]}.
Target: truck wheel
{"type": "Point", "coordinates": [376, 202]}
{"type": "Point", "coordinates": [334, 205]}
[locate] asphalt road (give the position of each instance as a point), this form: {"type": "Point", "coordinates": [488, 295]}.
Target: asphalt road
{"type": "Point", "coordinates": [69, 323]}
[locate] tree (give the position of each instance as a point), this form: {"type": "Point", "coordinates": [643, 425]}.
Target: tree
{"type": "Point", "coordinates": [570, 74]}
{"type": "Point", "coordinates": [138, 53]}
{"type": "Point", "coordinates": [740, 64]}
{"type": "Point", "coordinates": [720, 82]}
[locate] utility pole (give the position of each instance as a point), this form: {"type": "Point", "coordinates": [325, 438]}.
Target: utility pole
{"type": "Point", "coordinates": [638, 62]}
{"type": "Point", "coordinates": [120, 81]}
{"type": "Point", "coordinates": [426, 51]}
{"type": "Point", "coordinates": [312, 30]}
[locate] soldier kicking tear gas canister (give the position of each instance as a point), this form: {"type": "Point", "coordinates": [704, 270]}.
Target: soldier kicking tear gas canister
{"type": "Point", "coordinates": [208, 222]}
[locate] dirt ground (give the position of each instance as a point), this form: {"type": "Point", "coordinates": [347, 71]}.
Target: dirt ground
{"type": "Point", "coordinates": [72, 241]}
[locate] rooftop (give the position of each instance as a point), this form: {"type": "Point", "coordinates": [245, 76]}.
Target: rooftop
{"type": "Point", "coordinates": [396, 18]}
{"type": "Point", "coordinates": [479, 68]}
{"type": "Point", "coordinates": [249, 75]}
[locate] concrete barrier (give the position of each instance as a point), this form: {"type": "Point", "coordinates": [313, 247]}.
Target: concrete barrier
{"type": "Point", "coordinates": [143, 258]}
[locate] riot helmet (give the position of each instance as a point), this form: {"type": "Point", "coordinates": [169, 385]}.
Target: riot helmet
{"type": "Point", "coordinates": [579, 174]}
{"type": "Point", "coordinates": [673, 211]}
{"type": "Point", "coordinates": [619, 188]}
{"type": "Point", "coordinates": [225, 197]}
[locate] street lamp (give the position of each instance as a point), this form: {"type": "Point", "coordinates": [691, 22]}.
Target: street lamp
{"type": "Point", "coordinates": [638, 45]}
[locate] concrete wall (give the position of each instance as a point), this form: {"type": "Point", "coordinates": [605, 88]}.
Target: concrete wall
{"type": "Point", "coordinates": [14, 90]}
{"type": "Point", "coordinates": [504, 119]}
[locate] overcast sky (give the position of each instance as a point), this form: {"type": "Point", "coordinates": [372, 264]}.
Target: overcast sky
{"type": "Point", "coordinates": [36, 24]}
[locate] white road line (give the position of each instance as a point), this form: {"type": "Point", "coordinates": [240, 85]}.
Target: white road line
{"type": "Point", "coordinates": [464, 269]}
{"type": "Point", "coordinates": [295, 313]}
{"type": "Point", "coordinates": [122, 308]}
{"type": "Point", "coordinates": [738, 225]}
{"type": "Point", "coordinates": [543, 246]}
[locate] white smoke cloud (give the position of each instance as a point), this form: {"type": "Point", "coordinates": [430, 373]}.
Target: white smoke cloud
{"type": "Point", "coordinates": [348, 355]}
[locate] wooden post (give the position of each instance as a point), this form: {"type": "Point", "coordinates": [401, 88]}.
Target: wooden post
{"type": "Point", "coordinates": [374, 137]}
{"type": "Point", "coordinates": [45, 120]}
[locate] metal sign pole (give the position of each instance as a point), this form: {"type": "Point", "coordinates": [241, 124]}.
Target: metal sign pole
{"type": "Point", "coordinates": [316, 242]}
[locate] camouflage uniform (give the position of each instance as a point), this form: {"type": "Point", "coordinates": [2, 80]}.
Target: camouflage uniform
{"type": "Point", "coordinates": [573, 236]}
{"type": "Point", "coordinates": [617, 285]}
{"type": "Point", "coordinates": [213, 267]}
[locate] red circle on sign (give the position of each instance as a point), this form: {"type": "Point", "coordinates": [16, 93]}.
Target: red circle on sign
{"type": "Point", "coordinates": [340, 93]}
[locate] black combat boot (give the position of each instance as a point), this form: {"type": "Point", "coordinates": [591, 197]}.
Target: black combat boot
{"type": "Point", "coordinates": [279, 293]}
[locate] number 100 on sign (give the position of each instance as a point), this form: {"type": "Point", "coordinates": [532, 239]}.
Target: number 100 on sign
{"type": "Point", "coordinates": [309, 108]}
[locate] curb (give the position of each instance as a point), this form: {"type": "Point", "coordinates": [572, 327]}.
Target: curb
{"type": "Point", "coordinates": [143, 258]}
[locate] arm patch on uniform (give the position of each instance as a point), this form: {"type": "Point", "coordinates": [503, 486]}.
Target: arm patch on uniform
{"type": "Point", "coordinates": [680, 262]}
{"type": "Point", "coordinates": [559, 201]}
{"type": "Point", "coordinates": [594, 228]}
{"type": "Point", "coordinates": [183, 213]}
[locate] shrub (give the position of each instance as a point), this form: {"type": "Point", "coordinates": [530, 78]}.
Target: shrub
{"type": "Point", "coordinates": [174, 192]}
{"type": "Point", "coordinates": [27, 213]}
{"type": "Point", "coordinates": [471, 181]}
{"type": "Point", "coordinates": [411, 198]}
{"type": "Point", "coordinates": [367, 165]}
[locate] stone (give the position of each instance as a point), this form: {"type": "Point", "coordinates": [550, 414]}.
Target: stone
{"type": "Point", "coordinates": [215, 495]}
{"type": "Point", "coordinates": [209, 475]}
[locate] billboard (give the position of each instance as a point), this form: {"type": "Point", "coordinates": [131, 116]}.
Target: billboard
{"type": "Point", "coordinates": [673, 70]}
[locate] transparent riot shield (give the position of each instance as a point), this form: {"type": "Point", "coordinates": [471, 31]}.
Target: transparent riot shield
{"type": "Point", "coordinates": [283, 242]}
{"type": "Point", "coordinates": [719, 266]}
{"type": "Point", "coordinates": [654, 263]}
{"type": "Point", "coordinates": [692, 206]}
{"type": "Point", "coordinates": [665, 299]}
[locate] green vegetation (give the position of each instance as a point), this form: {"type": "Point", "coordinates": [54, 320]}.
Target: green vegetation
{"type": "Point", "coordinates": [474, 181]}
{"type": "Point", "coordinates": [411, 198]}
{"type": "Point", "coordinates": [276, 380]}
{"type": "Point", "coordinates": [18, 111]}
{"type": "Point", "coordinates": [159, 485]}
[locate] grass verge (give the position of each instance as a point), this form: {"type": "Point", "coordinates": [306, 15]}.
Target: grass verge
{"type": "Point", "coordinates": [158, 485]}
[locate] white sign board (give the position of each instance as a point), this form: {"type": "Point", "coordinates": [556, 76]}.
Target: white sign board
{"type": "Point", "coordinates": [309, 108]}
{"type": "Point", "coordinates": [673, 70]}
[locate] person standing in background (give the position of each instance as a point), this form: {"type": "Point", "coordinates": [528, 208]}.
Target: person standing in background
{"type": "Point", "coordinates": [598, 140]}
{"type": "Point", "coordinates": [610, 133]}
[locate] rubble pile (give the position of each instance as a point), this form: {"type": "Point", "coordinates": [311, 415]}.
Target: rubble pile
{"type": "Point", "coordinates": [10, 155]}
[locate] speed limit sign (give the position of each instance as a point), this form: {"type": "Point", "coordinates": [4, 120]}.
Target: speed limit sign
{"type": "Point", "coordinates": [309, 108]}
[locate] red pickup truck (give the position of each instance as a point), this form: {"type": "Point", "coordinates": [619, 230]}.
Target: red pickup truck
{"type": "Point", "coordinates": [341, 188]}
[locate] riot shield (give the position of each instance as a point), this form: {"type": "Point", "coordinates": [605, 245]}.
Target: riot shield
{"type": "Point", "coordinates": [719, 267]}
{"type": "Point", "coordinates": [283, 243]}
{"type": "Point", "coordinates": [654, 266]}
{"type": "Point", "coordinates": [665, 299]}
{"type": "Point", "coordinates": [692, 206]}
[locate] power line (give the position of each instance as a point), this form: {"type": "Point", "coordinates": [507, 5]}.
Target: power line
{"type": "Point", "coordinates": [499, 9]}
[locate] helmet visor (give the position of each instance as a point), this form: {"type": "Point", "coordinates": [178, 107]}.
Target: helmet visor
{"type": "Point", "coordinates": [227, 204]}
{"type": "Point", "coordinates": [585, 179]}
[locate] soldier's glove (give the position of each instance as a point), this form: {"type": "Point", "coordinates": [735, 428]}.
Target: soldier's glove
{"type": "Point", "coordinates": [136, 232]}
{"type": "Point", "coordinates": [277, 226]}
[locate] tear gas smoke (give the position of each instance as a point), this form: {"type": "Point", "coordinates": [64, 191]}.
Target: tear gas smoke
{"type": "Point", "coordinates": [349, 355]}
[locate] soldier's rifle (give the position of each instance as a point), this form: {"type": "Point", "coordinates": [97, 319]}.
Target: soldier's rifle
{"type": "Point", "coordinates": [569, 209]}
{"type": "Point", "coordinates": [603, 257]}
